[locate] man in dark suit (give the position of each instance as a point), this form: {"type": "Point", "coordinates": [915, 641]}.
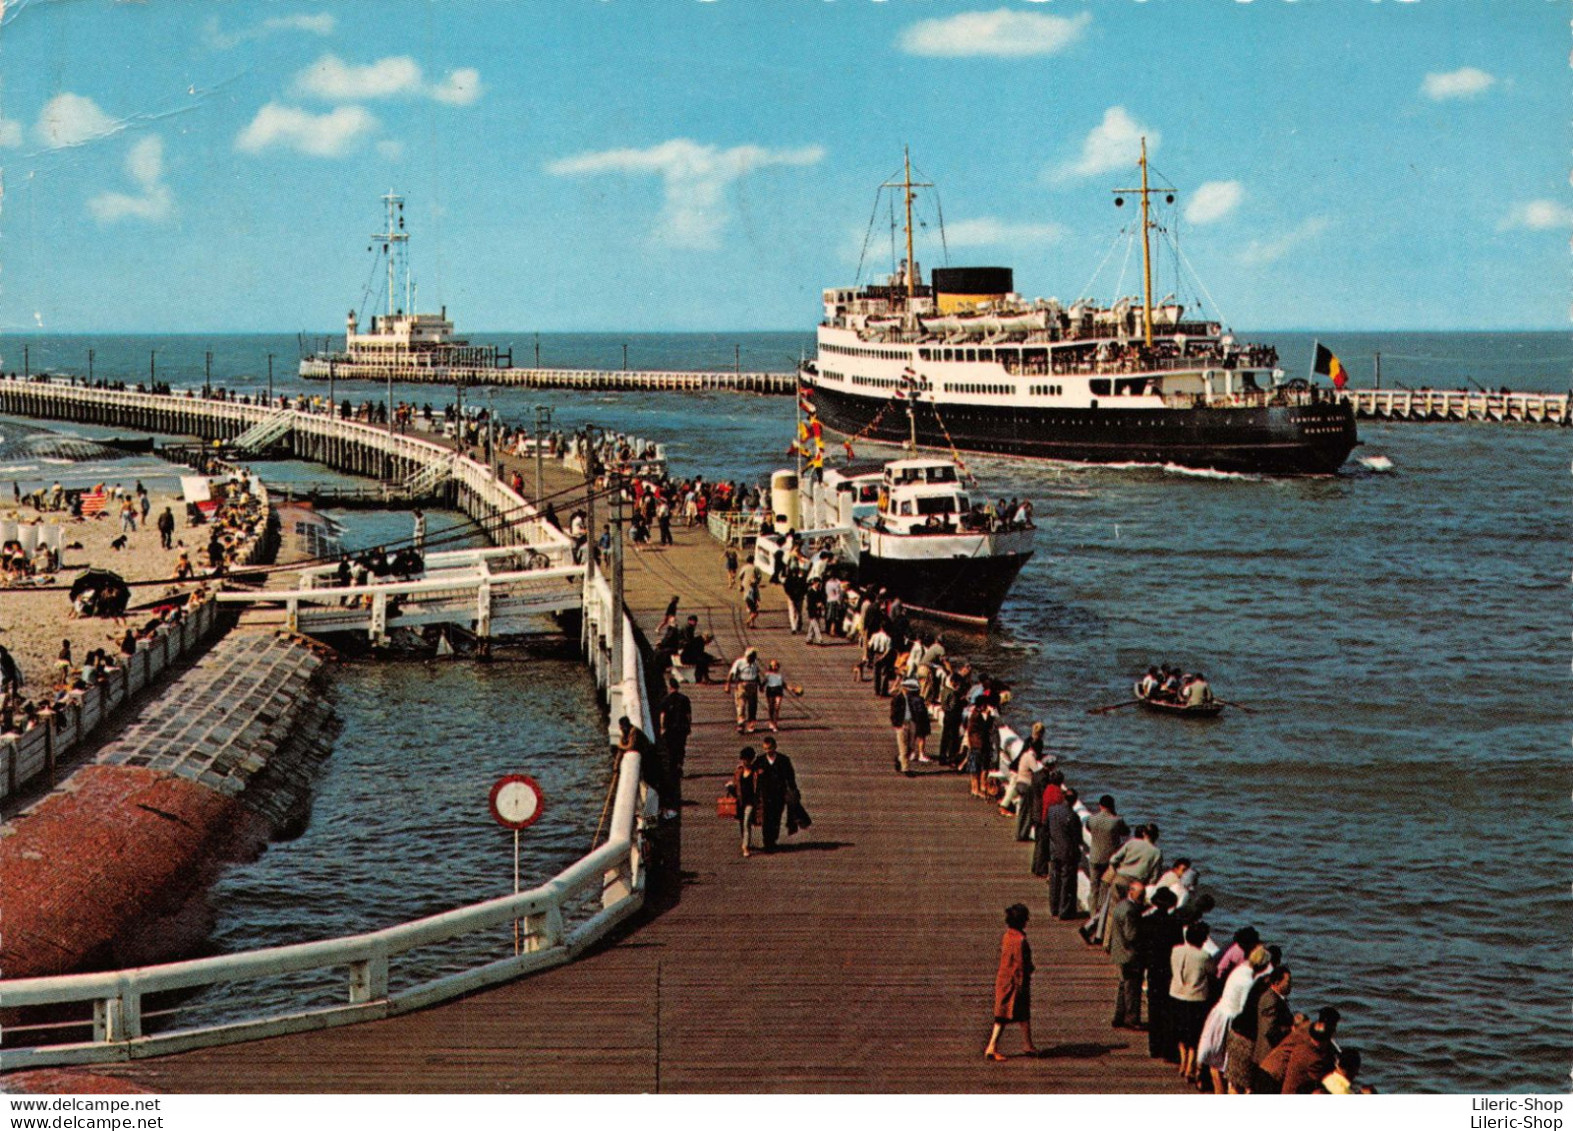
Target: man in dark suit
{"type": "Point", "coordinates": [777, 778]}
{"type": "Point", "coordinates": [1160, 933]}
{"type": "Point", "coordinates": [1123, 938]}
{"type": "Point", "coordinates": [677, 721]}
{"type": "Point", "coordinates": [1063, 827]}
{"type": "Point", "coordinates": [1274, 1020]}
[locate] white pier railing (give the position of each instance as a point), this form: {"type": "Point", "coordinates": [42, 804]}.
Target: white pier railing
{"type": "Point", "coordinates": [1460, 404]}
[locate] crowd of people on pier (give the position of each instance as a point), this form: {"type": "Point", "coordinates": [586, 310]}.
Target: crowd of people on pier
{"type": "Point", "coordinates": [1216, 1007]}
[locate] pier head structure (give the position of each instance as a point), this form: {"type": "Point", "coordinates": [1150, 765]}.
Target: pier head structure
{"type": "Point", "coordinates": [860, 956]}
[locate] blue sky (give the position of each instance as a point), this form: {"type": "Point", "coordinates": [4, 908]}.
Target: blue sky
{"type": "Point", "coordinates": [689, 165]}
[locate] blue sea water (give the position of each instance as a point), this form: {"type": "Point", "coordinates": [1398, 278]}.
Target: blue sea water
{"type": "Point", "coordinates": [1394, 811]}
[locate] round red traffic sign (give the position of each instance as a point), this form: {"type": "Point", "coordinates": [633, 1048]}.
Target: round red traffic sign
{"type": "Point", "coordinates": [516, 801]}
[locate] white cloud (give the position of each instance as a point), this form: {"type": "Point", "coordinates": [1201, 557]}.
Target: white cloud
{"type": "Point", "coordinates": [460, 88]}
{"type": "Point", "coordinates": [153, 203]}
{"type": "Point", "coordinates": [145, 161]}
{"type": "Point", "coordinates": [1537, 215]}
{"type": "Point", "coordinates": [1114, 143]}
{"type": "Point", "coordinates": [317, 135]}
{"type": "Point", "coordinates": [1259, 253]}
{"type": "Point", "coordinates": [10, 133]}
{"type": "Point", "coordinates": [1466, 82]}
{"type": "Point", "coordinates": [695, 178]}
{"type": "Point", "coordinates": [986, 231]}
{"type": "Point", "coordinates": [1213, 201]}
{"type": "Point", "coordinates": [333, 79]}
{"type": "Point", "coordinates": [1005, 33]}
{"type": "Point", "coordinates": [397, 76]}
{"type": "Point", "coordinates": [72, 119]}
{"type": "Point", "coordinates": [320, 24]}
{"type": "Point", "coordinates": [392, 150]}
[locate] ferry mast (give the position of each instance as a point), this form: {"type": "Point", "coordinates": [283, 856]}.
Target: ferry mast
{"type": "Point", "coordinates": [906, 185]}
{"type": "Point", "coordinates": [1147, 226]}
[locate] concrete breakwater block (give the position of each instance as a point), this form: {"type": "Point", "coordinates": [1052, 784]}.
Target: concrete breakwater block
{"type": "Point", "coordinates": [109, 869]}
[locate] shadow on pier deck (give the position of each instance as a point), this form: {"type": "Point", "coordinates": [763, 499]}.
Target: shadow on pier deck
{"type": "Point", "coordinates": [859, 958]}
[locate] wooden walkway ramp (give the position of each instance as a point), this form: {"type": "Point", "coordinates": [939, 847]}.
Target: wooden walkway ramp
{"type": "Point", "coordinates": [861, 957]}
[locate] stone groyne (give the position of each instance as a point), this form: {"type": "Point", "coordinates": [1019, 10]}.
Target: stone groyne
{"type": "Point", "coordinates": [107, 870]}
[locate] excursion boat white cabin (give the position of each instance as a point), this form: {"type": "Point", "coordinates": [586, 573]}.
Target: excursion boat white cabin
{"type": "Point", "coordinates": [910, 527]}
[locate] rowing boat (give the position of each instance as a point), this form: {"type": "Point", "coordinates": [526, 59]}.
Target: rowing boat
{"type": "Point", "coordinates": [1183, 710]}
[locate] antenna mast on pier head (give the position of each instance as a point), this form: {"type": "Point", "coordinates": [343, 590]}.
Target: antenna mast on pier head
{"type": "Point", "coordinates": [1147, 226]}
{"type": "Point", "coordinates": [395, 245]}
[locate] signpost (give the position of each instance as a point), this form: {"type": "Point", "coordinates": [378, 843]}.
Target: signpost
{"type": "Point", "coordinates": [516, 803]}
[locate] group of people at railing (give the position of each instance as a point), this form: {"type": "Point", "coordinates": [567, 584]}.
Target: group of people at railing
{"type": "Point", "coordinates": [656, 501]}
{"type": "Point", "coordinates": [375, 566]}
{"type": "Point", "coordinates": [1218, 1011]}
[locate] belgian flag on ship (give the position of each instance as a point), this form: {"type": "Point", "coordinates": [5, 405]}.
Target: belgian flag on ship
{"type": "Point", "coordinates": [1327, 364]}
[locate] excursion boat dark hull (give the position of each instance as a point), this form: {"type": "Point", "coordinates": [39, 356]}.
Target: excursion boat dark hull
{"type": "Point", "coordinates": [1295, 439]}
{"type": "Point", "coordinates": [1181, 710]}
{"type": "Point", "coordinates": [964, 590]}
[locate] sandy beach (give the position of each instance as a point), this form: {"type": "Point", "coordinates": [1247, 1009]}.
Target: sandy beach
{"type": "Point", "coordinates": [33, 621]}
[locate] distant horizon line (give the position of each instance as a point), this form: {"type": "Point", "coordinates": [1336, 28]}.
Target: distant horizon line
{"type": "Point", "coordinates": [36, 333]}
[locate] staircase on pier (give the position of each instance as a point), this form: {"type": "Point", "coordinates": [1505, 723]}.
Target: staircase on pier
{"type": "Point", "coordinates": [265, 433]}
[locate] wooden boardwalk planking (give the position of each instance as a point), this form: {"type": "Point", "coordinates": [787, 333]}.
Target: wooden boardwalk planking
{"type": "Point", "coordinates": [859, 958]}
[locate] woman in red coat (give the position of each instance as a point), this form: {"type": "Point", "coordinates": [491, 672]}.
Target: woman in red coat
{"type": "Point", "coordinates": [1013, 984]}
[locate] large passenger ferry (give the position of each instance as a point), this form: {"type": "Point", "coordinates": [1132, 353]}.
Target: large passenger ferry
{"type": "Point", "coordinates": [402, 345]}
{"type": "Point", "coordinates": [962, 361]}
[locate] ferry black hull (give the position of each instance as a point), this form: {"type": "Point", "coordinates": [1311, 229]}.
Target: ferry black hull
{"type": "Point", "coordinates": [1300, 439]}
{"type": "Point", "coordinates": [965, 590]}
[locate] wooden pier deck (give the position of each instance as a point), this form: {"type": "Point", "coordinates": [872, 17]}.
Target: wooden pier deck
{"type": "Point", "coordinates": [860, 957]}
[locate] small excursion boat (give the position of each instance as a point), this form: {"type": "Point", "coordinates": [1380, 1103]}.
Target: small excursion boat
{"type": "Point", "coordinates": [909, 527]}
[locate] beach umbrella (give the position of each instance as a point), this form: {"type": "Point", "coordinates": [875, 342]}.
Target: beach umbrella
{"type": "Point", "coordinates": [97, 579]}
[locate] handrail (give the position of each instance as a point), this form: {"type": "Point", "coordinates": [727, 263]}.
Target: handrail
{"type": "Point", "coordinates": [465, 583]}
